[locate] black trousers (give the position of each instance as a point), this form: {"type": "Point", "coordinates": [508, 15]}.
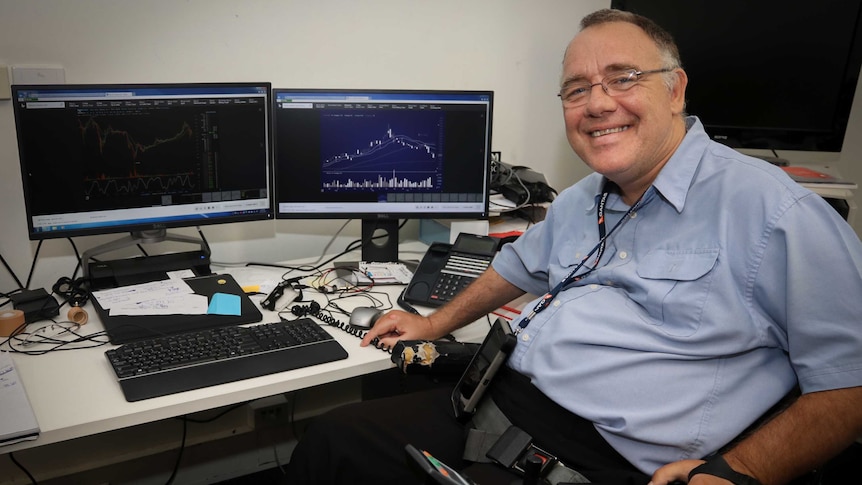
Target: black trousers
{"type": "Point", "coordinates": [363, 443]}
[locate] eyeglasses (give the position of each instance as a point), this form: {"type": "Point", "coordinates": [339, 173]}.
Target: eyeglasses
{"type": "Point", "coordinates": [578, 93]}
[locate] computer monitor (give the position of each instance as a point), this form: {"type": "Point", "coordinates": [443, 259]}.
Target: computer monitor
{"type": "Point", "coordinates": [381, 156]}
{"type": "Point", "coordinates": [142, 158]}
{"type": "Point", "coordinates": [766, 75]}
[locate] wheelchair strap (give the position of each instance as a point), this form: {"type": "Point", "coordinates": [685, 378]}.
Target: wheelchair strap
{"type": "Point", "coordinates": [489, 424]}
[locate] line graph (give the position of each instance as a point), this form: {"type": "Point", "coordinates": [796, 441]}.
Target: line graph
{"type": "Point", "coordinates": [395, 151]}
{"type": "Point", "coordinates": [137, 155]}
{"type": "Point", "coordinates": [138, 185]}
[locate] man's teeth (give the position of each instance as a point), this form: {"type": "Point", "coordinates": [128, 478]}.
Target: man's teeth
{"type": "Point", "coordinates": [608, 131]}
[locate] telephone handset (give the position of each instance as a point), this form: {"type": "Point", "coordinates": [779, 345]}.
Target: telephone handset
{"type": "Point", "coordinates": [447, 268]}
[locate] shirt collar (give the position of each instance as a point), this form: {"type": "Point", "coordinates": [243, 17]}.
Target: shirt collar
{"type": "Point", "coordinates": [678, 173]}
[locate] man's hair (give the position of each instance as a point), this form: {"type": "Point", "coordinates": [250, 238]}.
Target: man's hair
{"type": "Point", "coordinates": [667, 47]}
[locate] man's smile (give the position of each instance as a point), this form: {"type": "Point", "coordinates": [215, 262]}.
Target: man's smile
{"type": "Point", "coordinates": [608, 131]}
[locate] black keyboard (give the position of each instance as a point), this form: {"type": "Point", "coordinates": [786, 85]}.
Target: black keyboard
{"type": "Point", "coordinates": [176, 363]}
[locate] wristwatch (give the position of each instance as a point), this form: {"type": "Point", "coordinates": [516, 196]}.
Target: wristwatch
{"type": "Point", "coordinates": [717, 467]}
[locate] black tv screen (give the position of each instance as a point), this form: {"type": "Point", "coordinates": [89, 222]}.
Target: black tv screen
{"type": "Point", "coordinates": [776, 75]}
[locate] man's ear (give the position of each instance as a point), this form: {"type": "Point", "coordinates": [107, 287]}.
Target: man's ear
{"type": "Point", "coordinates": [677, 93]}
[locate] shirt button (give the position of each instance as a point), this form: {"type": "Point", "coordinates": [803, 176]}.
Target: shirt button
{"type": "Point", "coordinates": [556, 302]}
{"type": "Point", "coordinates": [624, 255]}
{"type": "Point", "coordinates": [593, 286]}
{"type": "Point", "coordinates": [525, 337]}
{"type": "Point", "coordinates": [634, 214]}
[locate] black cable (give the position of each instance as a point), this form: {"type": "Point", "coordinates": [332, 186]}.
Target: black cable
{"type": "Point", "coordinates": [9, 269]}
{"type": "Point", "coordinates": [214, 418]}
{"type": "Point", "coordinates": [21, 467]}
{"type": "Point", "coordinates": [206, 244]}
{"type": "Point", "coordinates": [351, 246]}
{"type": "Point", "coordinates": [21, 339]}
{"type": "Point", "coordinates": [180, 454]}
{"type": "Point", "coordinates": [33, 264]}
{"type": "Point", "coordinates": [80, 264]}
{"type": "Point", "coordinates": [406, 306]}
{"type": "Point", "coordinates": [345, 327]}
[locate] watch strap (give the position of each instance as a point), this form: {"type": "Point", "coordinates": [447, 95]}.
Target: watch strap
{"type": "Point", "coordinates": [718, 467]}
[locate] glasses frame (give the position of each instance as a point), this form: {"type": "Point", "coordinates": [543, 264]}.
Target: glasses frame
{"type": "Point", "coordinates": [634, 75]}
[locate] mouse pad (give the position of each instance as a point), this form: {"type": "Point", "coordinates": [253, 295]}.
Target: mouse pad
{"type": "Point", "coordinates": [126, 328]}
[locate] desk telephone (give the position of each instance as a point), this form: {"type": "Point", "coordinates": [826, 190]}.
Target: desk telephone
{"type": "Point", "coordinates": [447, 268]}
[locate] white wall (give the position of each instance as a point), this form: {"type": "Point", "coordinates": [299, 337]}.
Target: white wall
{"type": "Point", "coordinates": [513, 47]}
{"type": "Point", "coordinates": [509, 46]}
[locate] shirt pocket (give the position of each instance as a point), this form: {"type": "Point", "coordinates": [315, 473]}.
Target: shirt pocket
{"type": "Point", "coordinates": [571, 253]}
{"type": "Point", "coordinates": [677, 284]}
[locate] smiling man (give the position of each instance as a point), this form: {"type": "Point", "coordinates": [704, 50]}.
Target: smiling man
{"type": "Point", "coordinates": [684, 294]}
{"type": "Point", "coordinates": [628, 132]}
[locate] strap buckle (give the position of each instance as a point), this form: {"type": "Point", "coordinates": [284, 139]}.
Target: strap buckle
{"type": "Point", "coordinates": [548, 461]}
{"type": "Point", "coordinates": [515, 447]}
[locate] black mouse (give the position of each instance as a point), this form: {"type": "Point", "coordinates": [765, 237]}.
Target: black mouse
{"type": "Point", "coordinates": [364, 317]}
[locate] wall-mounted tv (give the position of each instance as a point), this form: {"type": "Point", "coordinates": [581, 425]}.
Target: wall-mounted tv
{"type": "Point", "coordinates": [769, 74]}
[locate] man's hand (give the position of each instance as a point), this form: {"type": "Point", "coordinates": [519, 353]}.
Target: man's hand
{"type": "Point", "coordinates": [397, 325]}
{"type": "Point", "coordinates": [487, 293]}
{"type": "Point", "coordinates": [786, 447]}
{"type": "Point", "coordinates": [676, 472]}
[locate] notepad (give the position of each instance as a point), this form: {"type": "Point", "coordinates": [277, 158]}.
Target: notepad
{"type": "Point", "coordinates": [225, 304]}
{"type": "Point", "coordinates": [17, 420]}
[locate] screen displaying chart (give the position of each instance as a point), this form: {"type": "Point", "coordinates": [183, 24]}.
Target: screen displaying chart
{"type": "Point", "coordinates": [107, 158]}
{"type": "Point", "coordinates": [382, 150]}
{"type": "Point", "coordinates": [383, 153]}
{"type": "Point", "coordinates": [124, 155]}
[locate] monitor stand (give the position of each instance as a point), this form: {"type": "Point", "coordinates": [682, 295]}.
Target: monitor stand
{"type": "Point", "coordinates": [380, 240]}
{"type": "Point", "coordinates": [122, 272]}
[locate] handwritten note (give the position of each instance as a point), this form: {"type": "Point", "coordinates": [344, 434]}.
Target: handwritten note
{"type": "Point", "coordinates": [166, 297]}
{"type": "Point", "coordinates": [17, 421]}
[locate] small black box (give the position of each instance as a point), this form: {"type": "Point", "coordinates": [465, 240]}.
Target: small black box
{"type": "Point", "coordinates": [36, 304]}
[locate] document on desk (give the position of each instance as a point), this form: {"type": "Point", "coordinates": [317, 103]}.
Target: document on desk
{"type": "Point", "coordinates": [165, 297]}
{"type": "Point", "coordinates": [384, 273]}
{"type": "Point", "coordinates": [17, 420]}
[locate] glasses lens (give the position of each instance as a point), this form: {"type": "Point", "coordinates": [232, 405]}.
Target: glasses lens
{"type": "Point", "coordinates": [575, 94]}
{"type": "Point", "coordinates": [621, 81]}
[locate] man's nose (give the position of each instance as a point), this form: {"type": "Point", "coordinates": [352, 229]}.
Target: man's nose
{"type": "Point", "coordinates": [599, 100]}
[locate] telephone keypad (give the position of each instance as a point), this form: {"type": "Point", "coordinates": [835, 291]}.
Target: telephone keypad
{"type": "Point", "coordinates": [460, 270]}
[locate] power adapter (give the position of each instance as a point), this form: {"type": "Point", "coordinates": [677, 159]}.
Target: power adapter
{"type": "Point", "coordinates": [36, 304]}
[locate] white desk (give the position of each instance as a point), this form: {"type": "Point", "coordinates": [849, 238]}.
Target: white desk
{"type": "Point", "coordinates": [75, 394]}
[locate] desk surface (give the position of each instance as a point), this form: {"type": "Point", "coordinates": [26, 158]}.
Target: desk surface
{"type": "Point", "coordinates": [75, 393]}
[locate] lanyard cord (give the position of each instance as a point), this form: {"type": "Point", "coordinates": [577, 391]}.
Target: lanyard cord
{"type": "Point", "coordinates": [573, 277]}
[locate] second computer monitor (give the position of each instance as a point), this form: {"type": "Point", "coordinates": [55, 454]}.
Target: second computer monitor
{"type": "Point", "coordinates": [381, 156]}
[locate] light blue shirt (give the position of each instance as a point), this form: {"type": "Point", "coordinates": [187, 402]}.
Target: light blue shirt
{"type": "Point", "coordinates": [729, 284]}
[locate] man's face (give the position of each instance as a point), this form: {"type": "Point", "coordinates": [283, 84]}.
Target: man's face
{"type": "Point", "coordinates": [630, 136]}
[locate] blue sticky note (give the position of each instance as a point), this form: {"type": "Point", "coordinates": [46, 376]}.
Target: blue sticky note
{"type": "Point", "coordinates": [224, 304]}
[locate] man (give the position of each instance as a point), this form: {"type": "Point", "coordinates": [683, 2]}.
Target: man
{"type": "Point", "coordinates": [699, 287]}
